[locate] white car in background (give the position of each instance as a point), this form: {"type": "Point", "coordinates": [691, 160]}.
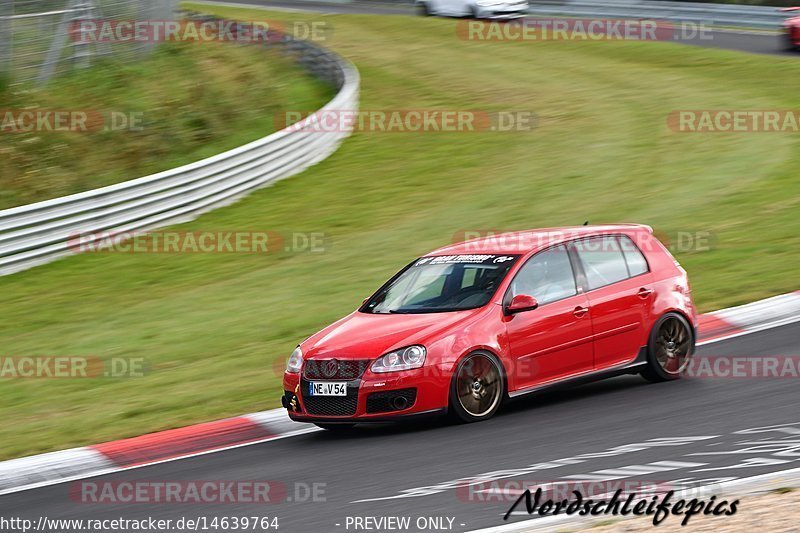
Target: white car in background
{"type": "Point", "coordinates": [480, 9]}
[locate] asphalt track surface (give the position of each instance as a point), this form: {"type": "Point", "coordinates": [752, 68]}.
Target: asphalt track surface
{"type": "Point", "coordinates": [690, 432]}
{"type": "Point", "coordinates": [718, 423]}
{"type": "Point", "coordinates": [743, 41]}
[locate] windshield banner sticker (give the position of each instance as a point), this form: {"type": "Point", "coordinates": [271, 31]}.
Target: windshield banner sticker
{"type": "Point", "coordinates": [476, 259]}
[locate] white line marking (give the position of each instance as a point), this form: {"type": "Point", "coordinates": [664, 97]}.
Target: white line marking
{"type": "Point", "coordinates": [629, 471]}
{"type": "Point", "coordinates": [595, 477]}
{"type": "Point", "coordinates": [672, 465]}
{"type": "Point", "coordinates": [635, 470]}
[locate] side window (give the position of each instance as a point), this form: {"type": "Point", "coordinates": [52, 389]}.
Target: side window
{"type": "Point", "coordinates": [602, 261]}
{"type": "Point", "coordinates": [547, 276]}
{"type": "Point", "coordinates": [637, 264]}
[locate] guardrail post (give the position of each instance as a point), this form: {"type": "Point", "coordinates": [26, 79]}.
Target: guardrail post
{"type": "Point", "coordinates": [53, 56]}
{"type": "Point", "coordinates": [150, 10]}
{"type": "Point", "coordinates": [6, 10]}
{"type": "Point", "coordinates": [81, 49]}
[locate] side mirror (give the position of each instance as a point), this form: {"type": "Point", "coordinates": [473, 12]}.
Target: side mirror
{"type": "Point", "coordinates": [520, 303]}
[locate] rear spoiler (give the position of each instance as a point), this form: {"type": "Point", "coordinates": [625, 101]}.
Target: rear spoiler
{"type": "Point", "coordinates": [649, 229]}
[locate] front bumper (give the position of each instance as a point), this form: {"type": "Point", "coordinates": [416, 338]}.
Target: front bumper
{"type": "Point", "coordinates": [370, 398]}
{"type": "Point", "coordinates": [399, 417]}
{"type": "Point", "coordinates": [504, 12]}
{"type": "Point", "coordinates": [504, 16]}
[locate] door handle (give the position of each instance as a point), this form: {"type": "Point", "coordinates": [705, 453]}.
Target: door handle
{"type": "Point", "coordinates": [580, 311]}
{"type": "Point", "coordinates": [644, 293]}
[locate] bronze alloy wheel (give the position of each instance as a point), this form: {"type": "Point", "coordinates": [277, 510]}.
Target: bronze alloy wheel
{"type": "Point", "coordinates": [670, 348]}
{"type": "Point", "coordinates": [673, 344]}
{"type": "Point", "coordinates": [479, 385]}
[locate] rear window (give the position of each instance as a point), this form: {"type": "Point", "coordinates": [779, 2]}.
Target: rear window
{"type": "Point", "coordinates": [637, 264]}
{"type": "Point", "coordinates": [602, 260]}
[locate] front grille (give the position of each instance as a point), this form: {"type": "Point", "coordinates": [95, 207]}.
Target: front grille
{"type": "Point", "coordinates": [384, 401]}
{"type": "Point", "coordinates": [341, 369]}
{"type": "Point", "coordinates": [331, 405]}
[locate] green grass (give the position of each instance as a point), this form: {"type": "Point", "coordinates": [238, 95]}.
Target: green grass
{"type": "Point", "coordinates": [214, 327]}
{"type": "Point", "coordinates": [193, 101]}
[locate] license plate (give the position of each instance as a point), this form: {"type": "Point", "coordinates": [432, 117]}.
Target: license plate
{"type": "Point", "coordinates": [328, 388]}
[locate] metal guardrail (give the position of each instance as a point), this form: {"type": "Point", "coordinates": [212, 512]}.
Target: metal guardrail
{"type": "Point", "coordinates": [38, 233]}
{"type": "Point", "coordinates": [742, 16]}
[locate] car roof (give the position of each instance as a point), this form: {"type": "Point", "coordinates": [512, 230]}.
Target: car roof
{"type": "Point", "coordinates": [522, 242]}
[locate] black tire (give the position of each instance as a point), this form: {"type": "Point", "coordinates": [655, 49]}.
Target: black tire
{"type": "Point", "coordinates": [477, 388]}
{"type": "Point", "coordinates": [669, 349]}
{"type": "Point", "coordinates": [336, 428]}
{"type": "Point", "coordinates": [422, 10]}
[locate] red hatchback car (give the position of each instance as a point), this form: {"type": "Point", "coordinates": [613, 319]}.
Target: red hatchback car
{"type": "Point", "coordinates": [791, 28]}
{"type": "Point", "coordinates": [470, 325]}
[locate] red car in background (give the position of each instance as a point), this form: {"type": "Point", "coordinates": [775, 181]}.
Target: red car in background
{"type": "Point", "coordinates": [791, 28]}
{"type": "Point", "coordinates": [468, 326]}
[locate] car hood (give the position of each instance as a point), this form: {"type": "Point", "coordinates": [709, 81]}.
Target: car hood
{"type": "Point", "coordinates": [367, 336]}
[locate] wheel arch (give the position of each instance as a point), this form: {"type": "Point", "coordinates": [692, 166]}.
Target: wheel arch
{"type": "Point", "coordinates": [684, 315]}
{"type": "Point", "coordinates": [485, 350]}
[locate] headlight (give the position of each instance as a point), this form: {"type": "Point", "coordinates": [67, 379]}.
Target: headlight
{"type": "Point", "coordinates": [402, 359]}
{"type": "Point", "coordinates": [295, 361]}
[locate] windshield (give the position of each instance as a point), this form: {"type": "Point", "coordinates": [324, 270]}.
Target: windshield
{"type": "Point", "coordinates": [442, 283]}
